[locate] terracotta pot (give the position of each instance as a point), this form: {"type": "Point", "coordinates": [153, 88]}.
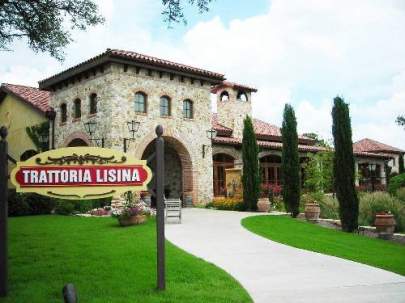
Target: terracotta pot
{"type": "Point", "coordinates": [133, 220]}
{"type": "Point", "coordinates": [312, 211]}
{"type": "Point", "coordinates": [385, 223]}
{"type": "Point", "coordinates": [263, 205]}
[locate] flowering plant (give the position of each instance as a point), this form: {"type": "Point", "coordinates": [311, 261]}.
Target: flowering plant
{"type": "Point", "coordinates": [131, 208]}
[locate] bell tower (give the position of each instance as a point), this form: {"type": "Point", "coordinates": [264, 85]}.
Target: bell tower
{"type": "Point", "coordinates": [234, 103]}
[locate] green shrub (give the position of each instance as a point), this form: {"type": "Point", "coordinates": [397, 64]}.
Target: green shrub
{"type": "Point", "coordinates": [401, 194]}
{"type": "Point", "coordinates": [372, 203]}
{"type": "Point", "coordinates": [65, 207]}
{"type": "Point", "coordinates": [228, 204]}
{"type": "Point", "coordinates": [396, 183]}
{"type": "Point", "coordinates": [25, 204]}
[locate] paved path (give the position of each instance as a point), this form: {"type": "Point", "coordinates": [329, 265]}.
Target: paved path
{"type": "Point", "coordinates": [272, 272]}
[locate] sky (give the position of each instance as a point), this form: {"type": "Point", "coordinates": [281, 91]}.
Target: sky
{"type": "Point", "coordinates": [302, 52]}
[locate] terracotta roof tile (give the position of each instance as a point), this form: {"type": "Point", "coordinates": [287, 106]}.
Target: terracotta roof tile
{"type": "Point", "coordinates": [130, 56]}
{"type": "Point", "coordinates": [369, 145]}
{"type": "Point", "coordinates": [34, 96]}
{"type": "Point", "coordinates": [233, 85]}
{"type": "Point", "coordinates": [221, 129]}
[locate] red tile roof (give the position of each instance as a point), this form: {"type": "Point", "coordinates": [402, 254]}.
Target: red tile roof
{"type": "Point", "coordinates": [39, 99]}
{"type": "Point", "coordinates": [233, 85]}
{"type": "Point", "coordinates": [111, 55]}
{"type": "Point", "coordinates": [221, 129]}
{"type": "Point", "coordinates": [369, 145]}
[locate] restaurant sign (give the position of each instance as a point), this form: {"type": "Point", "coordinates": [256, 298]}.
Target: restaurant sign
{"type": "Point", "coordinates": [81, 173]}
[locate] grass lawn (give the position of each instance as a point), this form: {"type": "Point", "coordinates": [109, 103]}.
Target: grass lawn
{"type": "Point", "coordinates": [106, 263]}
{"type": "Point", "coordinates": [300, 234]}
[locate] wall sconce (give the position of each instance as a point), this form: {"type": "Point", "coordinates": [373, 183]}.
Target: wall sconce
{"type": "Point", "coordinates": [211, 134]}
{"type": "Point", "coordinates": [133, 127]}
{"type": "Point", "coordinates": [90, 128]}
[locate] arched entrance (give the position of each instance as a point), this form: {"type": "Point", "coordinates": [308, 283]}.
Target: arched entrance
{"type": "Point", "coordinates": [77, 142]}
{"type": "Point", "coordinates": [270, 168]}
{"type": "Point", "coordinates": [221, 162]}
{"type": "Point", "coordinates": [178, 168]}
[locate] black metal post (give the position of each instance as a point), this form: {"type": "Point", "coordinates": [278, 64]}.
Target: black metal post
{"type": "Point", "coordinates": [160, 220]}
{"type": "Point", "coordinates": [3, 212]}
{"type": "Point", "coordinates": [125, 145]}
{"type": "Point", "coordinates": [51, 115]}
{"type": "Point", "coordinates": [102, 142]}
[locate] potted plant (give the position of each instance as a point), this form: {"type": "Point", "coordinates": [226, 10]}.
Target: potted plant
{"type": "Point", "coordinates": [263, 204]}
{"type": "Point", "coordinates": [132, 213]}
{"type": "Point", "coordinates": [312, 211]}
{"type": "Point", "coordinates": [385, 224]}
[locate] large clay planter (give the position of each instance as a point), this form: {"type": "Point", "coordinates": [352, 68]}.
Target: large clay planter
{"type": "Point", "coordinates": [312, 211]}
{"type": "Point", "coordinates": [133, 220]}
{"type": "Point", "coordinates": [263, 205]}
{"type": "Point", "coordinates": [385, 225]}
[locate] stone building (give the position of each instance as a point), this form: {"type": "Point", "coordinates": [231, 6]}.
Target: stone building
{"type": "Point", "coordinates": [117, 98]}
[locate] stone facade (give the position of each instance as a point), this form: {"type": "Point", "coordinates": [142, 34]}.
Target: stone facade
{"type": "Point", "coordinates": [115, 87]}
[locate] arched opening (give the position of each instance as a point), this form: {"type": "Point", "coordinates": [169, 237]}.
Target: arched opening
{"type": "Point", "coordinates": [224, 96]}
{"type": "Point", "coordinates": [242, 96]}
{"type": "Point", "coordinates": [77, 142]}
{"type": "Point", "coordinates": [220, 163]}
{"type": "Point", "coordinates": [28, 154]}
{"type": "Point", "coordinates": [178, 169]}
{"type": "Point", "coordinates": [270, 170]}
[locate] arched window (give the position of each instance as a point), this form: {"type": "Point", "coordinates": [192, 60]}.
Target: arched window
{"type": "Point", "coordinates": [63, 113]}
{"type": "Point", "coordinates": [93, 104]}
{"type": "Point", "coordinates": [224, 96]}
{"type": "Point", "coordinates": [77, 109]}
{"type": "Point", "coordinates": [140, 102]}
{"type": "Point", "coordinates": [165, 108]}
{"type": "Point", "coordinates": [242, 96]}
{"type": "Point", "coordinates": [188, 109]}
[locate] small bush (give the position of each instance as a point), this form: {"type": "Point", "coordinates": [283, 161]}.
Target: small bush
{"type": "Point", "coordinates": [401, 194]}
{"type": "Point", "coordinates": [329, 205]}
{"type": "Point", "coordinates": [64, 207]}
{"type": "Point", "coordinates": [372, 203]}
{"type": "Point", "coordinates": [25, 204]}
{"type": "Point", "coordinates": [396, 183]}
{"type": "Point", "coordinates": [228, 204]}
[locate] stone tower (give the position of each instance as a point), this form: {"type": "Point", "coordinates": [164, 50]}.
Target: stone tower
{"type": "Point", "coordinates": [234, 102]}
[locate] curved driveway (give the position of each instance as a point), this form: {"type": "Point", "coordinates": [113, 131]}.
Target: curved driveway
{"type": "Point", "coordinates": [273, 272]}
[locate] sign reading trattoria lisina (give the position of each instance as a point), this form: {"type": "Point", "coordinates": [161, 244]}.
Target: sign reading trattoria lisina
{"type": "Point", "coordinates": [81, 173]}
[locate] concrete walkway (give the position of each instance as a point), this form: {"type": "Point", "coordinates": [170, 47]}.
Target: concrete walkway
{"type": "Point", "coordinates": [272, 272]}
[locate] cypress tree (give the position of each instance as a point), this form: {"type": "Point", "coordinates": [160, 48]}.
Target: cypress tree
{"type": "Point", "coordinates": [251, 173]}
{"type": "Point", "coordinates": [401, 169]}
{"type": "Point", "coordinates": [344, 172]}
{"type": "Point", "coordinates": [290, 163]}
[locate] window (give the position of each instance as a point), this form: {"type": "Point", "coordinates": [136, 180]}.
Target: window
{"type": "Point", "coordinates": [224, 96]}
{"type": "Point", "coordinates": [93, 104]}
{"type": "Point", "coordinates": [164, 106]}
{"type": "Point", "coordinates": [140, 102]}
{"type": "Point", "coordinates": [242, 96]}
{"type": "Point", "coordinates": [63, 113]}
{"type": "Point", "coordinates": [188, 109]}
{"type": "Point", "coordinates": [77, 108]}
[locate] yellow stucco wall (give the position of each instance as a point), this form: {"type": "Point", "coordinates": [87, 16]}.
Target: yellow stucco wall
{"type": "Point", "coordinates": [16, 115]}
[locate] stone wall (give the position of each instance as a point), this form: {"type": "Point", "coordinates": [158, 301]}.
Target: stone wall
{"type": "Point", "coordinates": [115, 89]}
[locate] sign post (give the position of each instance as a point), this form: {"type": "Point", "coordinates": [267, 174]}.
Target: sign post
{"type": "Point", "coordinates": [160, 223]}
{"type": "Point", "coordinates": [3, 212]}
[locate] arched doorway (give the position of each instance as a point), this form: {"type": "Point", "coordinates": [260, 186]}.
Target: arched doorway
{"type": "Point", "coordinates": [220, 163]}
{"type": "Point", "coordinates": [178, 169]}
{"type": "Point", "coordinates": [270, 169]}
{"type": "Point", "coordinates": [77, 142]}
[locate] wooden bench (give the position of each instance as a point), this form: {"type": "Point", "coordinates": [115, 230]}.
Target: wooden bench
{"type": "Point", "coordinates": [173, 209]}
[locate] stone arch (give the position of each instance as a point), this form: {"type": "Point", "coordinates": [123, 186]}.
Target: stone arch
{"type": "Point", "coordinates": [188, 184]}
{"type": "Point", "coordinates": [228, 151]}
{"type": "Point", "coordinates": [76, 136]}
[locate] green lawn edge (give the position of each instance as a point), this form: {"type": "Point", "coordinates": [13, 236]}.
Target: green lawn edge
{"type": "Point", "coordinates": [106, 263]}
{"type": "Point", "coordinates": [301, 234]}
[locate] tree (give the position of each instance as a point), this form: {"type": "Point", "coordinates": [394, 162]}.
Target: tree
{"type": "Point", "coordinates": [400, 120]}
{"type": "Point", "coordinates": [319, 172]}
{"type": "Point", "coordinates": [42, 22]}
{"type": "Point", "coordinates": [251, 173]}
{"type": "Point", "coordinates": [174, 12]}
{"type": "Point", "coordinates": [318, 140]}
{"type": "Point", "coordinates": [290, 163]}
{"type": "Point", "coordinates": [344, 172]}
{"type": "Point", "coordinates": [401, 169]}
{"type": "Point", "coordinates": [35, 133]}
